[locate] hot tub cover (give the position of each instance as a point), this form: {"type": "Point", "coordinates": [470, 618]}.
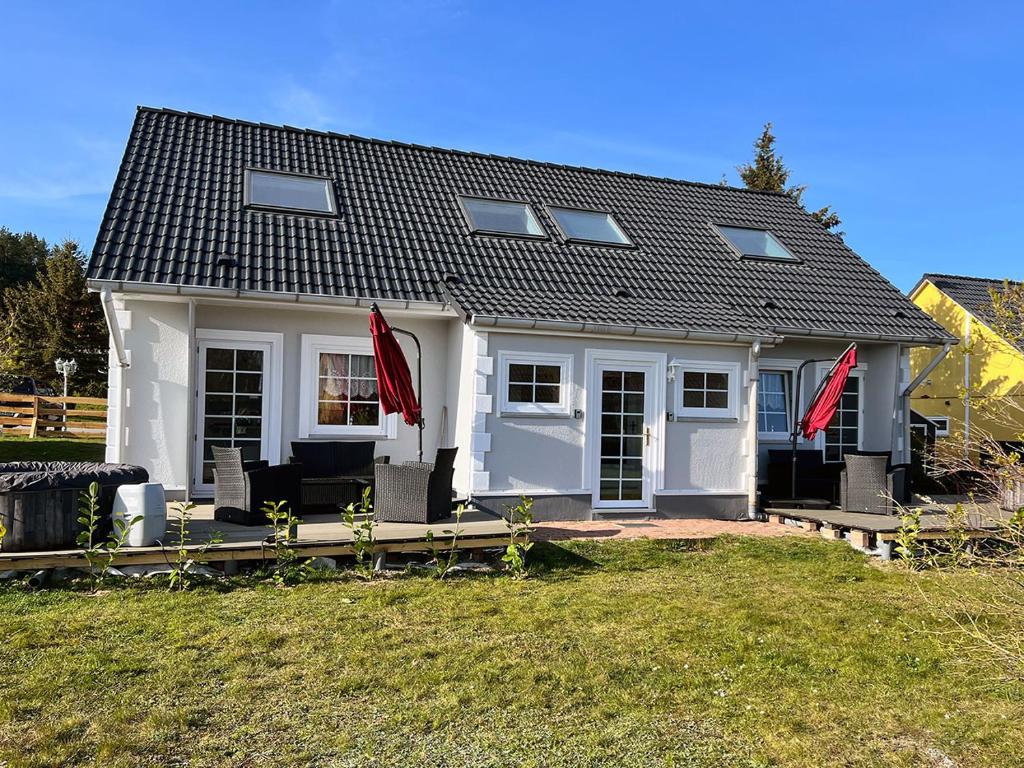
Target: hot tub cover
{"type": "Point", "coordinates": [51, 475]}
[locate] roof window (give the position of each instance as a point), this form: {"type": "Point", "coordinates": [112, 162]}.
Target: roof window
{"type": "Point", "coordinates": [503, 217]}
{"type": "Point", "coordinates": [589, 226]}
{"type": "Point", "coordinates": [755, 243]}
{"type": "Point", "coordinates": [273, 189]}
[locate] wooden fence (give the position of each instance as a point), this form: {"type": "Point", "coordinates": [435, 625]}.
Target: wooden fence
{"type": "Point", "coordinates": [36, 416]}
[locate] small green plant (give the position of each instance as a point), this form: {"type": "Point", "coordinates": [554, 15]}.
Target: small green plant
{"type": "Point", "coordinates": [444, 565]}
{"type": "Point", "coordinates": [362, 533]}
{"type": "Point", "coordinates": [957, 540]}
{"type": "Point", "coordinates": [519, 522]}
{"type": "Point", "coordinates": [907, 536]}
{"type": "Point", "coordinates": [100, 554]}
{"type": "Point", "coordinates": [289, 567]}
{"type": "Point", "coordinates": [187, 559]}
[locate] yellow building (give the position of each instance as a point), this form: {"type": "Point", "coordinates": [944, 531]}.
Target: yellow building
{"type": "Point", "coordinates": [978, 388]}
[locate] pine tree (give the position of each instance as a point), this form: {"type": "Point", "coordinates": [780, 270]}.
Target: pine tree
{"type": "Point", "coordinates": [55, 316]}
{"type": "Point", "coordinates": [769, 173]}
{"type": "Point", "coordinates": [21, 256]}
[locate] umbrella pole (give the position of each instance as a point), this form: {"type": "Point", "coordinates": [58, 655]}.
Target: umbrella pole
{"type": "Point", "coordinates": [419, 381]}
{"type": "Point", "coordinates": [796, 409]}
{"type": "Point", "coordinates": [797, 418]}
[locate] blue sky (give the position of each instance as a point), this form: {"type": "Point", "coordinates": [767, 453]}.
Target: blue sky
{"type": "Point", "coordinates": [906, 117]}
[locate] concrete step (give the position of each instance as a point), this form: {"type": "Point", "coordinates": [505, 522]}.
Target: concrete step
{"type": "Point", "coordinates": [625, 514]}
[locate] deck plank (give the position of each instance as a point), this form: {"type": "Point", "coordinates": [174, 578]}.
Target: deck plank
{"type": "Point", "coordinates": [318, 535]}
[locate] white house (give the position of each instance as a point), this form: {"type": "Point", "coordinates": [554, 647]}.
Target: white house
{"type": "Point", "coordinates": [594, 339]}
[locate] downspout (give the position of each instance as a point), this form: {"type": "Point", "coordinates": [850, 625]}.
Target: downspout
{"type": "Point", "coordinates": [967, 384]}
{"type": "Point", "coordinates": [914, 384]}
{"type": "Point", "coordinates": [191, 442]}
{"type": "Point", "coordinates": [753, 361]}
{"type": "Point", "coordinates": [116, 448]}
{"type": "Point", "coordinates": [897, 438]}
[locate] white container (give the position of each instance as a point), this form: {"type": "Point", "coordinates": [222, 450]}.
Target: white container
{"type": "Point", "coordinates": [147, 501]}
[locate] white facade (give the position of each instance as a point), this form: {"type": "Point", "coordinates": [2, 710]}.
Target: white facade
{"type": "Point", "coordinates": [532, 413]}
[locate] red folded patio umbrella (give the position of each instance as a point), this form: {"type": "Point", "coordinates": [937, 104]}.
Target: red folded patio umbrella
{"type": "Point", "coordinates": [394, 381]}
{"type": "Point", "coordinates": [826, 399]}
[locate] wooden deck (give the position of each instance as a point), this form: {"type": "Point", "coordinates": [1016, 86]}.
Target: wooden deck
{"type": "Point", "coordinates": [875, 533]}
{"type": "Point", "coordinates": [318, 535]}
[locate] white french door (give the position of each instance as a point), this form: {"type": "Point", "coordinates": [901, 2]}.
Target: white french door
{"type": "Point", "coordinates": [623, 432]}
{"type": "Point", "coordinates": [236, 394]}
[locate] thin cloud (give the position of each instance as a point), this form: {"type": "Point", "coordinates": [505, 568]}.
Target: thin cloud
{"type": "Point", "coordinates": [85, 168]}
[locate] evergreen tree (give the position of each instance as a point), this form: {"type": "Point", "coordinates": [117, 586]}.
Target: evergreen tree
{"type": "Point", "coordinates": [21, 256]}
{"type": "Point", "coordinates": [55, 316]}
{"type": "Point", "coordinates": [769, 173]}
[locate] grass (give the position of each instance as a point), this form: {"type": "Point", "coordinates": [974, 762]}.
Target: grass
{"type": "Point", "coordinates": [745, 652]}
{"type": "Point", "coordinates": [51, 449]}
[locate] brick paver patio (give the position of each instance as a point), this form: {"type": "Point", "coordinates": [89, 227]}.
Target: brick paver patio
{"type": "Point", "coordinates": [659, 529]}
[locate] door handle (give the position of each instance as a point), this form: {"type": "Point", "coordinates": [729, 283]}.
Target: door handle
{"type": "Point", "coordinates": [647, 435]}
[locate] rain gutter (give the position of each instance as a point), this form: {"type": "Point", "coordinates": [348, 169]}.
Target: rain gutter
{"type": "Point", "coordinates": [279, 297]}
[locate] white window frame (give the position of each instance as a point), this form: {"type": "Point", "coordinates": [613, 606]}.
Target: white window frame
{"type": "Point", "coordinates": [564, 405]}
{"type": "Point", "coordinates": [273, 394]}
{"type": "Point", "coordinates": [787, 377]}
{"type": "Point", "coordinates": [781, 365]}
{"type": "Point", "coordinates": [309, 382]}
{"type": "Point", "coordinates": [857, 373]}
{"type": "Point", "coordinates": [940, 431]}
{"type": "Point", "coordinates": [733, 370]}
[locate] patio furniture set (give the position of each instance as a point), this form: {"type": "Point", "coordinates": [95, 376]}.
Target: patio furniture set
{"type": "Point", "coordinates": [326, 476]}
{"type": "Point", "coordinates": [866, 481]}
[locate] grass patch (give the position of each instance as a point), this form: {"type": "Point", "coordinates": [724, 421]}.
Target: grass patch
{"type": "Point", "coordinates": [744, 652]}
{"type": "Point", "coordinates": [51, 449]}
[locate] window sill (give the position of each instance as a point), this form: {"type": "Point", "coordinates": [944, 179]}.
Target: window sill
{"type": "Point", "coordinates": [708, 419]}
{"type": "Point", "coordinates": [347, 434]}
{"type": "Point", "coordinates": [774, 437]}
{"type": "Point", "coordinates": [534, 415]}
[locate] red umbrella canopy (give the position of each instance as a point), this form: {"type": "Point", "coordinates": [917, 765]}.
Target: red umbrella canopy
{"type": "Point", "coordinates": [823, 406]}
{"type": "Point", "coordinates": [394, 381]}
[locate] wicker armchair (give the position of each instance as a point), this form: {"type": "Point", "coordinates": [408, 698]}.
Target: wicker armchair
{"type": "Point", "coordinates": [242, 488]}
{"type": "Point", "coordinates": [415, 492]}
{"type": "Point", "coordinates": [868, 485]}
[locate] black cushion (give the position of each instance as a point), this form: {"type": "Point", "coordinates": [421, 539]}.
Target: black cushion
{"type": "Point", "coordinates": [805, 458]}
{"type": "Point", "coordinates": [330, 458]}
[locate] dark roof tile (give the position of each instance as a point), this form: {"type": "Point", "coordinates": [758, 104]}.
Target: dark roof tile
{"type": "Point", "coordinates": [176, 208]}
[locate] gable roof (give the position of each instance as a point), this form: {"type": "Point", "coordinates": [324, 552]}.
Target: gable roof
{"type": "Point", "coordinates": [176, 218]}
{"type": "Point", "coordinates": [971, 293]}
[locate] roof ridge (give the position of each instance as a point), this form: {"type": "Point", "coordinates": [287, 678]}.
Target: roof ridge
{"type": "Point", "coordinates": [455, 151]}
{"type": "Point", "coordinates": [929, 275]}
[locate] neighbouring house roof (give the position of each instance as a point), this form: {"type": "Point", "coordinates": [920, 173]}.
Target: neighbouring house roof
{"type": "Point", "coordinates": [974, 294]}
{"type": "Point", "coordinates": [177, 217]}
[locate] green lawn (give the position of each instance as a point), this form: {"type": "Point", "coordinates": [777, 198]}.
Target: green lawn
{"type": "Point", "coordinates": [50, 449]}
{"type": "Point", "coordinates": [745, 652]}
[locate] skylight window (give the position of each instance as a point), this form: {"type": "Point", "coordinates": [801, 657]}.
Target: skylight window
{"type": "Point", "coordinates": [755, 243]}
{"type": "Point", "coordinates": [502, 217]}
{"type": "Point", "coordinates": [591, 226]}
{"type": "Point", "coordinates": [288, 190]}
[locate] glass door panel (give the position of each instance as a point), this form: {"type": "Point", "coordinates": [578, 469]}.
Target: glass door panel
{"type": "Point", "coordinates": [623, 436]}
{"type": "Point", "coordinates": [231, 405]}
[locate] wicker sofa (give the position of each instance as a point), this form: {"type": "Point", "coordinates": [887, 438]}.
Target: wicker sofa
{"type": "Point", "coordinates": [814, 478]}
{"type": "Point", "coordinates": [334, 472]}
